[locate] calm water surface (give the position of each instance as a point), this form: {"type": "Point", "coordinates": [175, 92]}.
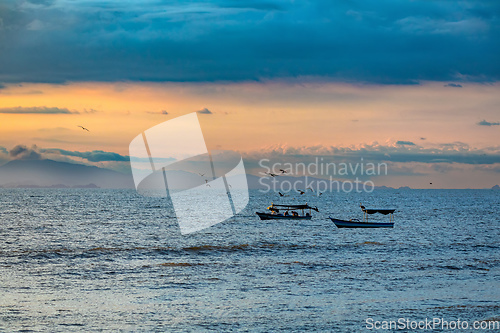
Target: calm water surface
{"type": "Point", "coordinates": [99, 260]}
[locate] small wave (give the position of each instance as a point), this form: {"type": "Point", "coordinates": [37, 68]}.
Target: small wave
{"type": "Point", "coordinates": [114, 249]}
{"type": "Point", "coordinates": [243, 247]}
{"type": "Point", "coordinates": [50, 253]}
{"type": "Point", "coordinates": [72, 324]}
{"type": "Point", "coordinates": [470, 267]}
{"type": "Point", "coordinates": [65, 251]}
{"type": "Point", "coordinates": [451, 267]}
{"type": "Point", "coordinates": [492, 262]}
{"type": "Point", "coordinates": [452, 307]}
{"type": "Point", "coordinates": [292, 263]}
{"type": "Point", "coordinates": [477, 268]}
{"type": "Point", "coordinates": [489, 307]}
{"type": "Point", "coordinates": [217, 247]}
{"type": "Point", "coordinates": [370, 243]}
{"type": "Point", "coordinates": [180, 264]}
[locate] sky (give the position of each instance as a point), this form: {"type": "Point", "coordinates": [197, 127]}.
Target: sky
{"type": "Point", "coordinates": [413, 84]}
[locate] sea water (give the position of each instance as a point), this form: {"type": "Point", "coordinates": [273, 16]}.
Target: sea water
{"type": "Point", "coordinates": [99, 260]}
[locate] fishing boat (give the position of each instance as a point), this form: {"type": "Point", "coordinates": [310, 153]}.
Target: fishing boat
{"type": "Point", "coordinates": [288, 212]}
{"type": "Point", "coordinates": [355, 223]}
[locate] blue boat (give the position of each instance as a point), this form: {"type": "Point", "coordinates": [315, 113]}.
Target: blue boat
{"type": "Point", "coordinates": [360, 224]}
{"type": "Point", "coordinates": [355, 223]}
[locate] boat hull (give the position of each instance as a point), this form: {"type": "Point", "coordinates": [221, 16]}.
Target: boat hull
{"type": "Point", "coordinates": [359, 224]}
{"type": "Point", "coordinates": [266, 216]}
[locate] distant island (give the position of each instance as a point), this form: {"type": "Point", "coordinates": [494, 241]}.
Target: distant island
{"type": "Point", "coordinates": [48, 186]}
{"type": "Point", "coordinates": [53, 174]}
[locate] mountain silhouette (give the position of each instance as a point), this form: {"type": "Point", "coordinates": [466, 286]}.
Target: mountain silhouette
{"type": "Point", "coordinates": [26, 173]}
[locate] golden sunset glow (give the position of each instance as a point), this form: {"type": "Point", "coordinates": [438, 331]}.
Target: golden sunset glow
{"type": "Point", "coordinates": [252, 116]}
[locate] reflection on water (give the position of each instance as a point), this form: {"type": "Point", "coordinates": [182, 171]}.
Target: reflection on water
{"type": "Point", "coordinates": [87, 260]}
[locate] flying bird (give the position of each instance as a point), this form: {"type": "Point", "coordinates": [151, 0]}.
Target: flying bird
{"type": "Point", "coordinates": [301, 192]}
{"type": "Point", "coordinates": [310, 188]}
{"type": "Point", "coordinates": [201, 174]}
{"type": "Point", "coordinates": [283, 171]}
{"type": "Point", "coordinates": [271, 174]}
{"type": "Point", "coordinates": [281, 194]}
{"type": "Point", "coordinates": [83, 128]}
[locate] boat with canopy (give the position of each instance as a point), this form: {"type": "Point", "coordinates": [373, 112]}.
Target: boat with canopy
{"type": "Point", "coordinates": [355, 223]}
{"type": "Point", "coordinates": [288, 212]}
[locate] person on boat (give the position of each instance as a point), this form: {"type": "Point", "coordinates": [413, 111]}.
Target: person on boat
{"type": "Point", "coordinates": [307, 214]}
{"type": "Point", "coordinates": [286, 213]}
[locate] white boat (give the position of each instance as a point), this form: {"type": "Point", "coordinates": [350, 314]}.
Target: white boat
{"type": "Point", "coordinates": [288, 212]}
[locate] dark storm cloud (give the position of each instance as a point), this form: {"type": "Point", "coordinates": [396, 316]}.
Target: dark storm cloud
{"type": "Point", "coordinates": [378, 41]}
{"type": "Point", "coordinates": [36, 110]}
{"type": "Point", "coordinates": [22, 152]}
{"type": "Point", "coordinates": [453, 85]}
{"type": "Point", "coordinates": [487, 123]}
{"type": "Point", "coordinates": [405, 143]}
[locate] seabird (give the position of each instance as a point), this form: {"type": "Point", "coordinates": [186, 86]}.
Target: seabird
{"type": "Point", "coordinates": [301, 192]}
{"type": "Point", "coordinates": [83, 128]}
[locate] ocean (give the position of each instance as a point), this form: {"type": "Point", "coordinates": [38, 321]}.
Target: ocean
{"type": "Point", "coordinates": [93, 260]}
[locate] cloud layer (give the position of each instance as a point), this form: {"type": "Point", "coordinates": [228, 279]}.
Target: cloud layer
{"type": "Point", "coordinates": [456, 152]}
{"type": "Point", "coordinates": [487, 123]}
{"type": "Point", "coordinates": [91, 156]}
{"type": "Point", "coordinates": [228, 40]}
{"type": "Point", "coordinates": [36, 110]}
{"type": "Point", "coordinates": [205, 111]}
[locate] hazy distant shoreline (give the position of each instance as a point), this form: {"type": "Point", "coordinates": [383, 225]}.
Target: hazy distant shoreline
{"type": "Point", "coordinates": [54, 174]}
